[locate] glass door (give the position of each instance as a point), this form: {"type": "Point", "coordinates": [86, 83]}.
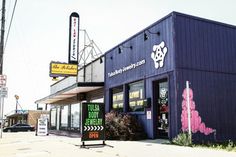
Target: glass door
{"type": "Point", "coordinates": [162, 109]}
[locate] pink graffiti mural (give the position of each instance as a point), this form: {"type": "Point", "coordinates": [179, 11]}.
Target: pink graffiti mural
{"type": "Point", "coordinates": [196, 121]}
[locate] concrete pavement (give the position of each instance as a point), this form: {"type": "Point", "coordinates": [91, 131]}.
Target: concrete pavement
{"type": "Point", "coordinates": [26, 144]}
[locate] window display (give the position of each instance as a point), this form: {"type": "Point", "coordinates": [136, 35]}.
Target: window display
{"type": "Point", "coordinates": [117, 99]}
{"type": "Point", "coordinates": [136, 96]}
{"type": "Point", "coordinates": [163, 109]}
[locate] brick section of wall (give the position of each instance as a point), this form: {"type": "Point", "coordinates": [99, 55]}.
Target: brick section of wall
{"type": "Point", "coordinates": [34, 115]}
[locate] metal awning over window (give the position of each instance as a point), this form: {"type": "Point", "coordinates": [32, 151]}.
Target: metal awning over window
{"type": "Point", "coordinates": [69, 94]}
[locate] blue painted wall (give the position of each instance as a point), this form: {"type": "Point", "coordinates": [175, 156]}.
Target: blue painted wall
{"type": "Point", "coordinates": [141, 50]}
{"type": "Point", "coordinates": [199, 50]}
{"type": "Point", "coordinates": [204, 45]}
{"type": "Point", "coordinates": [214, 97]}
{"type": "Point", "coordinates": [206, 56]}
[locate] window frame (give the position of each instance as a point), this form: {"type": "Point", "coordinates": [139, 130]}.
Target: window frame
{"type": "Point", "coordinates": [62, 127]}
{"type": "Point", "coordinates": [71, 113]}
{"type": "Point", "coordinates": [119, 109]}
{"type": "Point", "coordinates": [143, 97]}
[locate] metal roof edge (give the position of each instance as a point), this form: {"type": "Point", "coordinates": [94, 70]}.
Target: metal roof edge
{"type": "Point", "coordinates": [204, 19]}
{"type": "Point", "coordinates": [78, 84]}
{"type": "Point", "coordinates": [146, 28]}
{"type": "Point", "coordinates": [172, 14]}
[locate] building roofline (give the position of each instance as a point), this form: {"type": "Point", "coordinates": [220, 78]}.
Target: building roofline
{"type": "Point", "coordinates": [174, 13]}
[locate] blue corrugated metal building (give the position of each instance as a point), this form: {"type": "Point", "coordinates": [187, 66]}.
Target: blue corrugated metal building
{"type": "Point", "coordinates": [146, 74]}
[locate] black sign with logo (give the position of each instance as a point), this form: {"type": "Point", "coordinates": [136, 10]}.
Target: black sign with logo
{"type": "Point", "coordinates": [93, 121]}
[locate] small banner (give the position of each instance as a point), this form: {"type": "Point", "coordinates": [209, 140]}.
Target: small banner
{"type": "Point", "coordinates": [93, 122]}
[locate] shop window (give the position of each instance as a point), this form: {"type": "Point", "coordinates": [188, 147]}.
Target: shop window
{"type": "Point", "coordinates": [64, 116]}
{"type": "Point", "coordinates": [53, 117]}
{"type": "Point", "coordinates": [75, 117]}
{"type": "Point", "coordinates": [136, 96]}
{"type": "Point", "coordinates": [117, 99]}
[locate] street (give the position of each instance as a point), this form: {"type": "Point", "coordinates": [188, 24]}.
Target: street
{"type": "Point", "coordinates": [26, 144]}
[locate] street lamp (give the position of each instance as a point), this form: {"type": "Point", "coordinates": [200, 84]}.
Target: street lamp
{"type": "Point", "coordinates": [17, 98]}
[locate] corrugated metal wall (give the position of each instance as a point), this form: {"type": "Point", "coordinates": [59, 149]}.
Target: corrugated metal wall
{"type": "Point", "coordinates": [199, 50]}
{"type": "Point", "coordinates": [205, 45]}
{"type": "Point", "coordinates": [206, 56]}
{"type": "Point", "coordinates": [140, 50]}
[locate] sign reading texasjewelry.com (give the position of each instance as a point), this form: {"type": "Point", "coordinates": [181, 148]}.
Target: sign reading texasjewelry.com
{"type": "Point", "coordinates": [93, 121]}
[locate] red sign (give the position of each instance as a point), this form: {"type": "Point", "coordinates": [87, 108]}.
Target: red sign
{"type": "Point", "coordinates": [93, 135]}
{"type": "Point", "coordinates": [3, 80]}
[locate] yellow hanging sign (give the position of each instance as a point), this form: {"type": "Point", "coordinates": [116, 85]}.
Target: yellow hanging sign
{"type": "Point", "coordinates": [63, 69]}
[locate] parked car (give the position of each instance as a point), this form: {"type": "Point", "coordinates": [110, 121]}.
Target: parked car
{"type": "Point", "coordinates": [19, 127]}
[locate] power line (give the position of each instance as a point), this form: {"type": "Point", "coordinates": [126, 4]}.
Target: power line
{"type": "Point", "coordinates": [10, 24]}
{"type": "Point", "coordinates": [8, 10]}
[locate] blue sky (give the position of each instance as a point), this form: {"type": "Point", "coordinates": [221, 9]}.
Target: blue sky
{"type": "Point", "coordinates": [39, 34]}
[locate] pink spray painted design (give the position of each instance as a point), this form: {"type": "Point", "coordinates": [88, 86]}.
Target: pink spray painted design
{"type": "Point", "coordinates": [196, 121]}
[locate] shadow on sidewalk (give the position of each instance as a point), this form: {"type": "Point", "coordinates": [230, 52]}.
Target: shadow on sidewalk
{"type": "Point", "coordinates": [155, 141]}
{"type": "Point", "coordinates": [65, 133]}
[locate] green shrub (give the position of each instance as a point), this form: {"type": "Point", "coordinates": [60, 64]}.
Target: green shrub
{"type": "Point", "coordinates": [230, 146]}
{"type": "Point", "coordinates": [183, 139]}
{"type": "Point", "coordinates": [123, 127]}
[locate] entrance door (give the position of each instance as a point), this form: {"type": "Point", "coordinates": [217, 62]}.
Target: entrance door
{"type": "Point", "coordinates": [161, 91]}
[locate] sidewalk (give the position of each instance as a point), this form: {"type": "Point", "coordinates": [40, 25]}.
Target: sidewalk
{"type": "Point", "coordinates": [26, 144]}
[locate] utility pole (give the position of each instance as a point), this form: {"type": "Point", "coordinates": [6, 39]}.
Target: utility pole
{"type": "Point", "coordinates": [2, 35]}
{"type": "Point", "coordinates": [1, 61]}
{"type": "Point", "coordinates": [1, 64]}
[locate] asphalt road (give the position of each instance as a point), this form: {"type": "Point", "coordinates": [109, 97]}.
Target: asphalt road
{"type": "Point", "coordinates": [26, 144]}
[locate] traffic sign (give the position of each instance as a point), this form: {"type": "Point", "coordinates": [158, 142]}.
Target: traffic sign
{"type": "Point", "coordinates": [3, 92]}
{"type": "Point", "coordinates": [3, 80]}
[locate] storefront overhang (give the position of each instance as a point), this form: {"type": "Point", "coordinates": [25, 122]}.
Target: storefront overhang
{"type": "Point", "coordinates": [69, 94]}
{"type": "Point", "coordinates": [17, 115]}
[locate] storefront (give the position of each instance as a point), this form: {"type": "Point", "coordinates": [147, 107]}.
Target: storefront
{"type": "Point", "coordinates": [146, 76]}
{"type": "Point", "coordinates": [25, 117]}
{"type": "Point", "coordinates": [67, 117]}
{"type": "Point", "coordinates": [68, 94]}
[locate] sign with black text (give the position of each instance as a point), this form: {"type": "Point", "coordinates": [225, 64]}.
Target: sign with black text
{"type": "Point", "coordinates": [93, 121]}
{"type": "Point", "coordinates": [74, 38]}
{"type": "Point", "coordinates": [58, 69]}
{"type": "Point", "coordinates": [42, 127]}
